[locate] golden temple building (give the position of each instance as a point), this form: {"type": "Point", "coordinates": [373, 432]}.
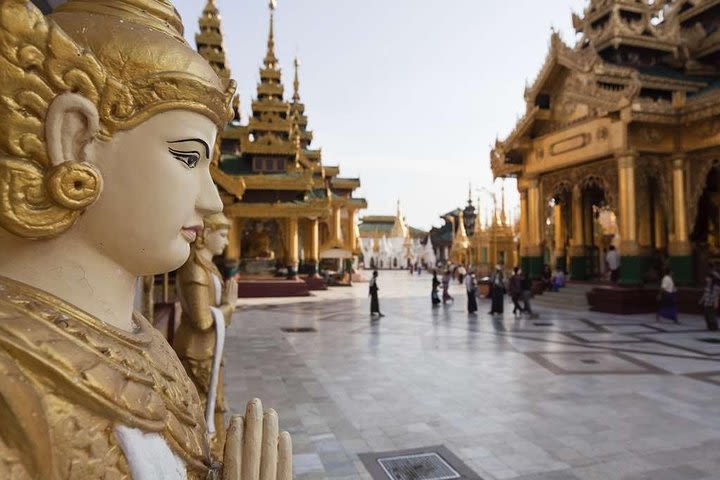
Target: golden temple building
{"type": "Point", "coordinates": [620, 143]}
{"type": "Point", "coordinates": [466, 240]}
{"type": "Point", "coordinates": [494, 243]}
{"type": "Point", "coordinates": [286, 207]}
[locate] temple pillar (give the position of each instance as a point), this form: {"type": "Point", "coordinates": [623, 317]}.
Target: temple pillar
{"type": "Point", "coordinates": [350, 228]}
{"type": "Point", "coordinates": [560, 259]}
{"type": "Point", "coordinates": [534, 250]}
{"type": "Point", "coordinates": [680, 250]}
{"type": "Point", "coordinates": [524, 240]}
{"type": "Point", "coordinates": [578, 258]}
{"type": "Point", "coordinates": [630, 261]}
{"type": "Point", "coordinates": [336, 225]}
{"type": "Point", "coordinates": [293, 247]}
{"type": "Point", "coordinates": [312, 251]}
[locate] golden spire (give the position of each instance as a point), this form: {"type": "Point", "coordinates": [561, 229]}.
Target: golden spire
{"type": "Point", "coordinates": [461, 232]}
{"type": "Point", "coordinates": [270, 58]}
{"type": "Point", "coordinates": [399, 229]}
{"type": "Point", "coordinates": [503, 217]}
{"type": "Point", "coordinates": [296, 82]}
{"type": "Point", "coordinates": [209, 41]}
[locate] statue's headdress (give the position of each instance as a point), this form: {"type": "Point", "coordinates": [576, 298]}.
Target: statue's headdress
{"type": "Point", "coordinates": [217, 221]}
{"type": "Point", "coordinates": [128, 57]}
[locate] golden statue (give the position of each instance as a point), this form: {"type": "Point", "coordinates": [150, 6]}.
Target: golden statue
{"type": "Point", "coordinates": [258, 244]}
{"type": "Point", "coordinates": [109, 118]}
{"type": "Point", "coordinates": [207, 309]}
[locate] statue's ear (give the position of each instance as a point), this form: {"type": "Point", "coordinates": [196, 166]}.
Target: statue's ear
{"type": "Point", "coordinates": [72, 122]}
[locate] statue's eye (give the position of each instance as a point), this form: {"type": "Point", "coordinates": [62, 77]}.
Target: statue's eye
{"type": "Point", "coordinates": [190, 159]}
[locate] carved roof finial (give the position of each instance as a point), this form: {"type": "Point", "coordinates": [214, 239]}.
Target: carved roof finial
{"type": "Point", "coordinates": [296, 81]}
{"type": "Point", "coordinates": [270, 58]}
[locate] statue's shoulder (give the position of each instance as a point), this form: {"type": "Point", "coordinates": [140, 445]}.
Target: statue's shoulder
{"type": "Point", "coordinates": [193, 272]}
{"type": "Point", "coordinates": [80, 377]}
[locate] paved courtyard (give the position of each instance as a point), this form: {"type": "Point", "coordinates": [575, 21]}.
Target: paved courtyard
{"type": "Point", "coordinates": [570, 395]}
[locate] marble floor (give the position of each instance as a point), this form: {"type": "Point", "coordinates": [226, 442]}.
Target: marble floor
{"type": "Point", "coordinates": [566, 396]}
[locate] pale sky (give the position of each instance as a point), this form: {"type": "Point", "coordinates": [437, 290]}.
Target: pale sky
{"type": "Point", "coordinates": [408, 95]}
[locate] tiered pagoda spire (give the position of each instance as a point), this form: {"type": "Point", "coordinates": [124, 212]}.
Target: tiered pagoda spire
{"type": "Point", "coordinates": [300, 121]}
{"type": "Point", "coordinates": [210, 40]}
{"type": "Point", "coordinates": [630, 32]}
{"type": "Point", "coordinates": [272, 146]}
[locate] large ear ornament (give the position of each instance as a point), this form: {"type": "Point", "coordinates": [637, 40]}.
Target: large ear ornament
{"type": "Point", "coordinates": [74, 186]}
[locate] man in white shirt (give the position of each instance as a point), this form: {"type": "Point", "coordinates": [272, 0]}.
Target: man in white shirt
{"type": "Point", "coordinates": [613, 260]}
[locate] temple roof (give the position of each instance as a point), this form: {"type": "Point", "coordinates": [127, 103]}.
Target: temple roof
{"type": "Point", "coordinates": [650, 59]}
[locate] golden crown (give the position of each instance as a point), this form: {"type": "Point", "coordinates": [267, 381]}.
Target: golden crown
{"type": "Point", "coordinates": [126, 56]}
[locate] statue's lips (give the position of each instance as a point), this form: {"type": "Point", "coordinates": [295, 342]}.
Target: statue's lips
{"type": "Point", "coordinates": [191, 233]}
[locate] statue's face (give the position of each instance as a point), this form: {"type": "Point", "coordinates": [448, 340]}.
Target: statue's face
{"type": "Point", "coordinates": [216, 241]}
{"type": "Point", "coordinates": [156, 190]}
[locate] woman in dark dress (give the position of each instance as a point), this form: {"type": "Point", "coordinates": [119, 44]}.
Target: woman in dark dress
{"type": "Point", "coordinates": [374, 302]}
{"type": "Point", "coordinates": [434, 295]}
{"type": "Point", "coordinates": [471, 286]}
{"type": "Point", "coordinates": [498, 291]}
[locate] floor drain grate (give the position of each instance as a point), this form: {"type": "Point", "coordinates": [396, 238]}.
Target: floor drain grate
{"type": "Point", "coordinates": [421, 466]}
{"type": "Point", "coordinates": [709, 340]}
{"type": "Point", "coordinates": [543, 324]}
{"type": "Point", "coordinates": [298, 329]}
{"type": "Point", "coordinates": [589, 362]}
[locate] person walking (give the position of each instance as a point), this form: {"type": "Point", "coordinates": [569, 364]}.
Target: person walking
{"type": "Point", "coordinates": [613, 262]}
{"type": "Point", "coordinates": [374, 301]}
{"type": "Point", "coordinates": [526, 287]}
{"type": "Point", "coordinates": [709, 301]}
{"type": "Point", "coordinates": [461, 272]}
{"type": "Point", "coordinates": [434, 294]}
{"type": "Point", "coordinates": [497, 289]}
{"type": "Point", "coordinates": [445, 287]}
{"type": "Point", "coordinates": [668, 298]}
{"type": "Point", "coordinates": [516, 290]}
{"type": "Point", "coordinates": [471, 286]}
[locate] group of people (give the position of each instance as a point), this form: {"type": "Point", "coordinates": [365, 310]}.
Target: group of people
{"type": "Point", "coordinates": [519, 286]}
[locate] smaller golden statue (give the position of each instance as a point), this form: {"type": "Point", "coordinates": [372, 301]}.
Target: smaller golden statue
{"type": "Point", "coordinates": [207, 309]}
